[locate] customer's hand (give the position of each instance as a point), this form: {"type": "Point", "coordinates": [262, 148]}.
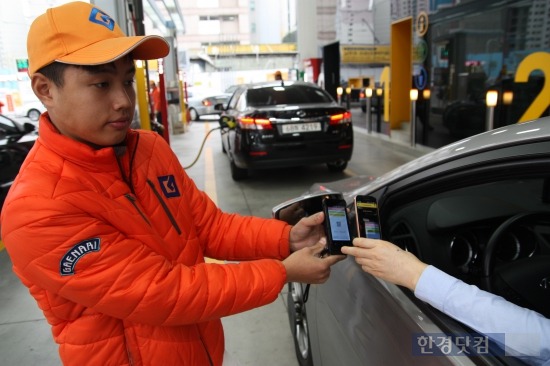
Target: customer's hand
{"type": "Point", "coordinates": [307, 232]}
{"type": "Point", "coordinates": [387, 261]}
{"type": "Point", "coordinates": [307, 266]}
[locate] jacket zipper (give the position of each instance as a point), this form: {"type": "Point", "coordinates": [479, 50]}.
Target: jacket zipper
{"type": "Point", "coordinates": [133, 200]}
{"type": "Point", "coordinates": [164, 206]}
{"type": "Point", "coordinates": [130, 358]}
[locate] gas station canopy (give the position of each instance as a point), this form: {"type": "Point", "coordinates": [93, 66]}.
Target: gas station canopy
{"type": "Point", "coordinates": [166, 15]}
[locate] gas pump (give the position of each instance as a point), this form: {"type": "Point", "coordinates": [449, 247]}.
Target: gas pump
{"type": "Point", "coordinates": [164, 105]}
{"type": "Point", "coordinates": [185, 117]}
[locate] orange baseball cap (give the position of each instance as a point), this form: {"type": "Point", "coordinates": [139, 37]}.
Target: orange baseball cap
{"type": "Point", "coordinates": [79, 33]}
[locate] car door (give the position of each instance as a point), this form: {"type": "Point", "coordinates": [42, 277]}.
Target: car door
{"type": "Point", "coordinates": [449, 215]}
{"type": "Point", "coordinates": [356, 319]}
{"type": "Point", "coordinates": [229, 116]}
{"type": "Point", "coordinates": [11, 158]}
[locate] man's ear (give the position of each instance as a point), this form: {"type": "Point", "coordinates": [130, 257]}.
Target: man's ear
{"type": "Point", "coordinates": [42, 87]}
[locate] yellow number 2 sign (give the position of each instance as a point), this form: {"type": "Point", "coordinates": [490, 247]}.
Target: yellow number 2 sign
{"type": "Point", "coordinates": [535, 61]}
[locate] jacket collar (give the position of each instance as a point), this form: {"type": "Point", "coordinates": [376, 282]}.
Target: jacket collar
{"type": "Point", "coordinates": [103, 159]}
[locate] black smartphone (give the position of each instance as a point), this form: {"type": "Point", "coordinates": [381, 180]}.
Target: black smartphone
{"type": "Point", "coordinates": [367, 218]}
{"type": "Point", "coordinates": [336, 225]}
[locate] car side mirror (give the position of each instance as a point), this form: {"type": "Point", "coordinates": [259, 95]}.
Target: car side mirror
{"type": "Point", "coordinates": [295, 209]}
{"type": "Point", "coordinates": [3, 133]}
{"type": "Point", "coordinates": [219, 107]}
{"type": "Point", "coordinates": [29, 127]}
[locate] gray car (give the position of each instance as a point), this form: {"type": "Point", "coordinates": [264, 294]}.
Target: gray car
{"type": "Point", "coordinates": [478, 209]}
{"type": "Point", "coordinates": [204, 105]}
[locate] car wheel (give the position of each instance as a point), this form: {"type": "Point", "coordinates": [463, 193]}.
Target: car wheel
{"type": "Point", "coordinates": [337, 166]}
{"type": "Point", "coordinates": [238, 173]}
{"type": "Point", "coordinates": [193, 114]}
{"type": "Point", "coordinates": [298, 323]}
{"type": "Point", "coordinates": [33, 114]}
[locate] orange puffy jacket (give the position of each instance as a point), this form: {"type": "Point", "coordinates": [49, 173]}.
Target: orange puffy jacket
{"type": "Point", "coordinates": [113, 249]}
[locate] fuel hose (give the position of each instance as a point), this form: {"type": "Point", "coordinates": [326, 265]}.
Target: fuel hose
{"type": "Point", "coordinates": [202, 146]}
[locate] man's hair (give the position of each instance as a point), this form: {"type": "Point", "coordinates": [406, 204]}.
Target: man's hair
{"type": "Point", "coordinates": [55, 72]}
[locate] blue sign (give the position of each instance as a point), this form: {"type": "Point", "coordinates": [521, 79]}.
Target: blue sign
{"type": "Point", "coordinates": [421, 79]}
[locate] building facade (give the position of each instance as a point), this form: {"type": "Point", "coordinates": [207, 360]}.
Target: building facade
{"type": "Point", "coordinates": [459, 51]}
{"type": "Point", "coordinates": [475, 47]}
{"type": "Point", "coordinates": [235, 41]}
{"type": "Point", "coordinates": [15, 20]}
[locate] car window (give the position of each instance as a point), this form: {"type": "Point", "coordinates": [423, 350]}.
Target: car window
{"type": "Point", "coordinates": [231, 89]}
{"type": "Point", "coordinates": [241, 101]}
{"type": "Point", "coordinates": [234, 99]}
{"type": "Point", "coordinates": [291, 94]}
{"type": "Point", "coordinates": [480, 230]}
{"type": "Point", "coordinates": [220, 99]}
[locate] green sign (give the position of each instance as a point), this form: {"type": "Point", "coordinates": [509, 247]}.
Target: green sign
{"type": "Point", "coordinates": [22, 64]}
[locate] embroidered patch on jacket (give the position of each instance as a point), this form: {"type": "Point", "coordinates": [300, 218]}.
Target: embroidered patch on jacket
{"type": "Point", "coordinates": [168, 186]}
{"type": "Point", "coordinates": [66, 267]}
{"type": "Point", "coordinates": [99, 17]}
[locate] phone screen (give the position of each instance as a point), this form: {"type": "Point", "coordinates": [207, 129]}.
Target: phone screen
{"type": "Point", "coordinates": [336, 225]}
{"type": "Point", "coordinates": [366, 216]}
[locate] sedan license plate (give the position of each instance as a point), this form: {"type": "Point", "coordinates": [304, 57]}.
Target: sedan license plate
{"type": "Point", "coordinates": [302, 127]}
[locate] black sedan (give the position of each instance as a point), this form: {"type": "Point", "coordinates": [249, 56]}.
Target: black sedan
{"type": "Point", "coordinates": [478, 209]}
{"type": "Point", "coordinates": [284, 124]}
{"type": "Point", "coordinates": [16, 140]}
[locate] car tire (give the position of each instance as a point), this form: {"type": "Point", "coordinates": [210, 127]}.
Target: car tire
{"type": "Point", "coordinates": [33, 114]}
{"type": "Point", "coordinates": [337, 166]}
{"type": "Point", "coordinates": [238, 173]}
{"type": "Point", "coordinates": [193, 114]}
{"type": "Point", "coordinates": [298, 323]}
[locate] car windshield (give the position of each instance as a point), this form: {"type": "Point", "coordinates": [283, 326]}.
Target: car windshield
{"type": "Point", "coordinates": [9, 126]}
{"type": "Point", "coordinates": [289, 94]}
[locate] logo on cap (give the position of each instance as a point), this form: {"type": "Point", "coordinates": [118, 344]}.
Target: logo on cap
{"type": "Point", "coordinates": [99, 17]}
